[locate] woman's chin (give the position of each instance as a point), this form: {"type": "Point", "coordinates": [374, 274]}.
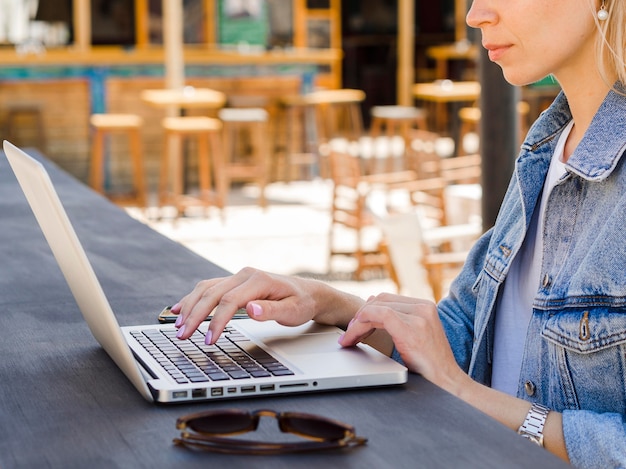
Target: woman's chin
{"type": "Point", "coordinates": [520, 79]}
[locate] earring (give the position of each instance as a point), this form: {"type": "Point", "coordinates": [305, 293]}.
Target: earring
{"type": "Point", "coordinates": [602, 13]}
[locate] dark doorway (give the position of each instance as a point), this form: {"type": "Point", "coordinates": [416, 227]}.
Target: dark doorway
{"type": "Point", "coordinates": [369, 38]}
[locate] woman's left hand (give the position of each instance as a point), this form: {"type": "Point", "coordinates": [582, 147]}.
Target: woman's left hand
{"type": "Point", "coordinates": [417, 333]}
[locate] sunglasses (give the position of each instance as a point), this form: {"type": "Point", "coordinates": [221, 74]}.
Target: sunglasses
{"type": "Point", "coordinates": [206, 430]}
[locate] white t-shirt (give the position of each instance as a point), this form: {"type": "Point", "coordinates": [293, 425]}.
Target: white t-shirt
{"type": "Point", "coordinates": [515, 304]}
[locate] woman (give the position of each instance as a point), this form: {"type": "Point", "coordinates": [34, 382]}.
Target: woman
{"type": "Point", "coordinates": [534, 327]}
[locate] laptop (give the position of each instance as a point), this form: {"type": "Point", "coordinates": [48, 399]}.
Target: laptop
{"type": "Point", "coordinates": [251, 358]}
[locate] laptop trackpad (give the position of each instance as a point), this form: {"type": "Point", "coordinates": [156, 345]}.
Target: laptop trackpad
{"type": "Point", "coordinates": [305, 344]}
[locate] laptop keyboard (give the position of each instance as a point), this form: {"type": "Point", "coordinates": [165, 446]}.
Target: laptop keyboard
{"type": "Point", "coordinates": [233, 356]}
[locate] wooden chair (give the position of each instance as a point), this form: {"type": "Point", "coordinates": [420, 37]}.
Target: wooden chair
{"type": "Point", "coordinates": [426, 244]}
{"type": "Point", "coordinates": [421, 266]}
{"type": "Point", "coordinates": [424, 153]}
{"type": "Point", "coordinates": [349, 211]}
{"type": "Point", "coordinates": [424, 158]}
{"type": "Point", "coordinates": [437, 249]}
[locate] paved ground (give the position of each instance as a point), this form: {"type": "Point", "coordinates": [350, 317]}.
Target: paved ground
{"type": "Point", "coordinates": [290, 236]}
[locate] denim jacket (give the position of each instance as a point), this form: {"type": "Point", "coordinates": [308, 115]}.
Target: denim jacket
{"type": "Point", "coordinates": [575, 351]}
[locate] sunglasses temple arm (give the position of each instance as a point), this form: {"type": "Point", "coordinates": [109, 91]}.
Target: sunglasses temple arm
{"type": "Point", "coordinates": [226, 445]}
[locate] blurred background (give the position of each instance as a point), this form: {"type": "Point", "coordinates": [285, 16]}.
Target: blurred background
{"type": "Point", "coordinates": [325, 107]}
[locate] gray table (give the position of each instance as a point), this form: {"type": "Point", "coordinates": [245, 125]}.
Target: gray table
{"type": "Point", "coordinates": [64, 404]}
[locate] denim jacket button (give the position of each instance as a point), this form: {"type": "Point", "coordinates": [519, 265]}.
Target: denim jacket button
{"type": "Point", "coordinates": [530, 388]}
{"type": "Point", "coordinates": [546, 280]}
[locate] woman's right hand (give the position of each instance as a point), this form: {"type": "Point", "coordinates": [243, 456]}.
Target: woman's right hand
{"type": "Point", "coordinates": [290, 301]}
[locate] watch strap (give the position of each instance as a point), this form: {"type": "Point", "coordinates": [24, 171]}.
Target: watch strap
{"type": "Point", "coordinates": [532, 428]}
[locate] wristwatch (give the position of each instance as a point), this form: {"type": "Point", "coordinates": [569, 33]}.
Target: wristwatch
{"type": "Point", "coordinates": [532, 428]}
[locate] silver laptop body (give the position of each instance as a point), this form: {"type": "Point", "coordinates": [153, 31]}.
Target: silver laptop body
{"type": "Point", "coordinates": [310, 353]}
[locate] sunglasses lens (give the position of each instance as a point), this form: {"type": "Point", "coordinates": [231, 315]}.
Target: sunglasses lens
{"type": "Point", "coordinates": [317, 428]}
{"type": "Point", "coordinates": [221, 423]}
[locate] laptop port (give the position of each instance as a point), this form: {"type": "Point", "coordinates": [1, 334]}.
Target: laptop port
{"type": "Point", "coordinates": [217, 392]}
{"type": "Point", "coordinates": [179, 394]}
{"type": "Point", "coordinates": [232, 390]}
{"type": "Point", "coordinates": [198, 393]}
{"type": "Point", "coordinates": [248, 389]}
{"type": "Point", "coordinates": [294, 385]}
{"type": "Point", "coordinates": [267, 387]}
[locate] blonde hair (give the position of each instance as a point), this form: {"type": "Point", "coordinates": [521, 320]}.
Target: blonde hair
{"type": "Point", "coordinates": [612, 43]}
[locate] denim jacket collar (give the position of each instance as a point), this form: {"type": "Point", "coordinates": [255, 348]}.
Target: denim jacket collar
{"type": "Point", "coordinates": [600, 149]}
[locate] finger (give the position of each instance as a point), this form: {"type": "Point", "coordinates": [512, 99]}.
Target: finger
{"type": "Point", "coordinates": [356, 332]}
{"type": "Point", "coordinates": [253, 293]}
{"type": "Point", "coordinates": [202, 301]}
{"type": "Point", "coordinates": [393, 317]}
{"type": "Point", "coordinates": [281, 310]}
{"type": "Point", "coordinates": [186, 304]}
{"type": "Point", "coordinates": [360, 327]}
{"type": "Point", "coordinates": [419, 337]}
{"type": "Point", "coordinates": [399, 299]}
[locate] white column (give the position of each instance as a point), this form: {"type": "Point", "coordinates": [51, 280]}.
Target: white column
{"type": "Point", "coordinates": [406, 51]}
{"type": "Point", "coordinates": [173, 43]}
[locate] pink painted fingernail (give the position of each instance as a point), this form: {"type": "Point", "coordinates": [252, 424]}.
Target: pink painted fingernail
{"type": "Point", "coordinates": [207, 337]}
{"type": "Point", "coordinates": [180, 332]}
{"type": "Point", "coordinates": [256, 309]}
{"type": "Point", "coordinates": [340, 340]}
{"type": "Point", "coordinates": [179, 321]}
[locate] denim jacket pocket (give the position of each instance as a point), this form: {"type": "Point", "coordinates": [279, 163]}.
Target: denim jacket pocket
{"type": "Point", "coordinates": [586, 356]}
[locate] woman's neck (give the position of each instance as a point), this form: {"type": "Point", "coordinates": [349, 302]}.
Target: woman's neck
{"type": "Point", "coordinates": [584, 96]}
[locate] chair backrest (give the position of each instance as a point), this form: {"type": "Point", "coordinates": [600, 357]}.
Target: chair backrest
{"type": "Point", "coordinates": [424, 154]}
{"type": "Point", "coordinates": [348, 202]}
{"type": "Point", "coordinates": [345, 169]}
{"type": "Point", "coordinates": [405, 243]}
{"type": "Point", "coordinates": [465, 169]}
{"type": "Point", "coordinates": [421, 255]}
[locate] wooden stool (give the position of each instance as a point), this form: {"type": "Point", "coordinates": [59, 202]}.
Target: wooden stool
{"type": "Point", "coordinates": [338, 115]}
{"type": "Point", "coordinates": [17, 112]}
{"type": "Point", "coordinates": [299, 156]}
{"type": "Point", "coordinates": [207, 131]}
{"type": "Point", "coordinates": [240, 163]}
{"type": "Point", "coordinates": [130, 124]}
{"type": "Point", "coordinates": [397, 121]}
{"type": "Point", "coordinates": [470, 119]}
